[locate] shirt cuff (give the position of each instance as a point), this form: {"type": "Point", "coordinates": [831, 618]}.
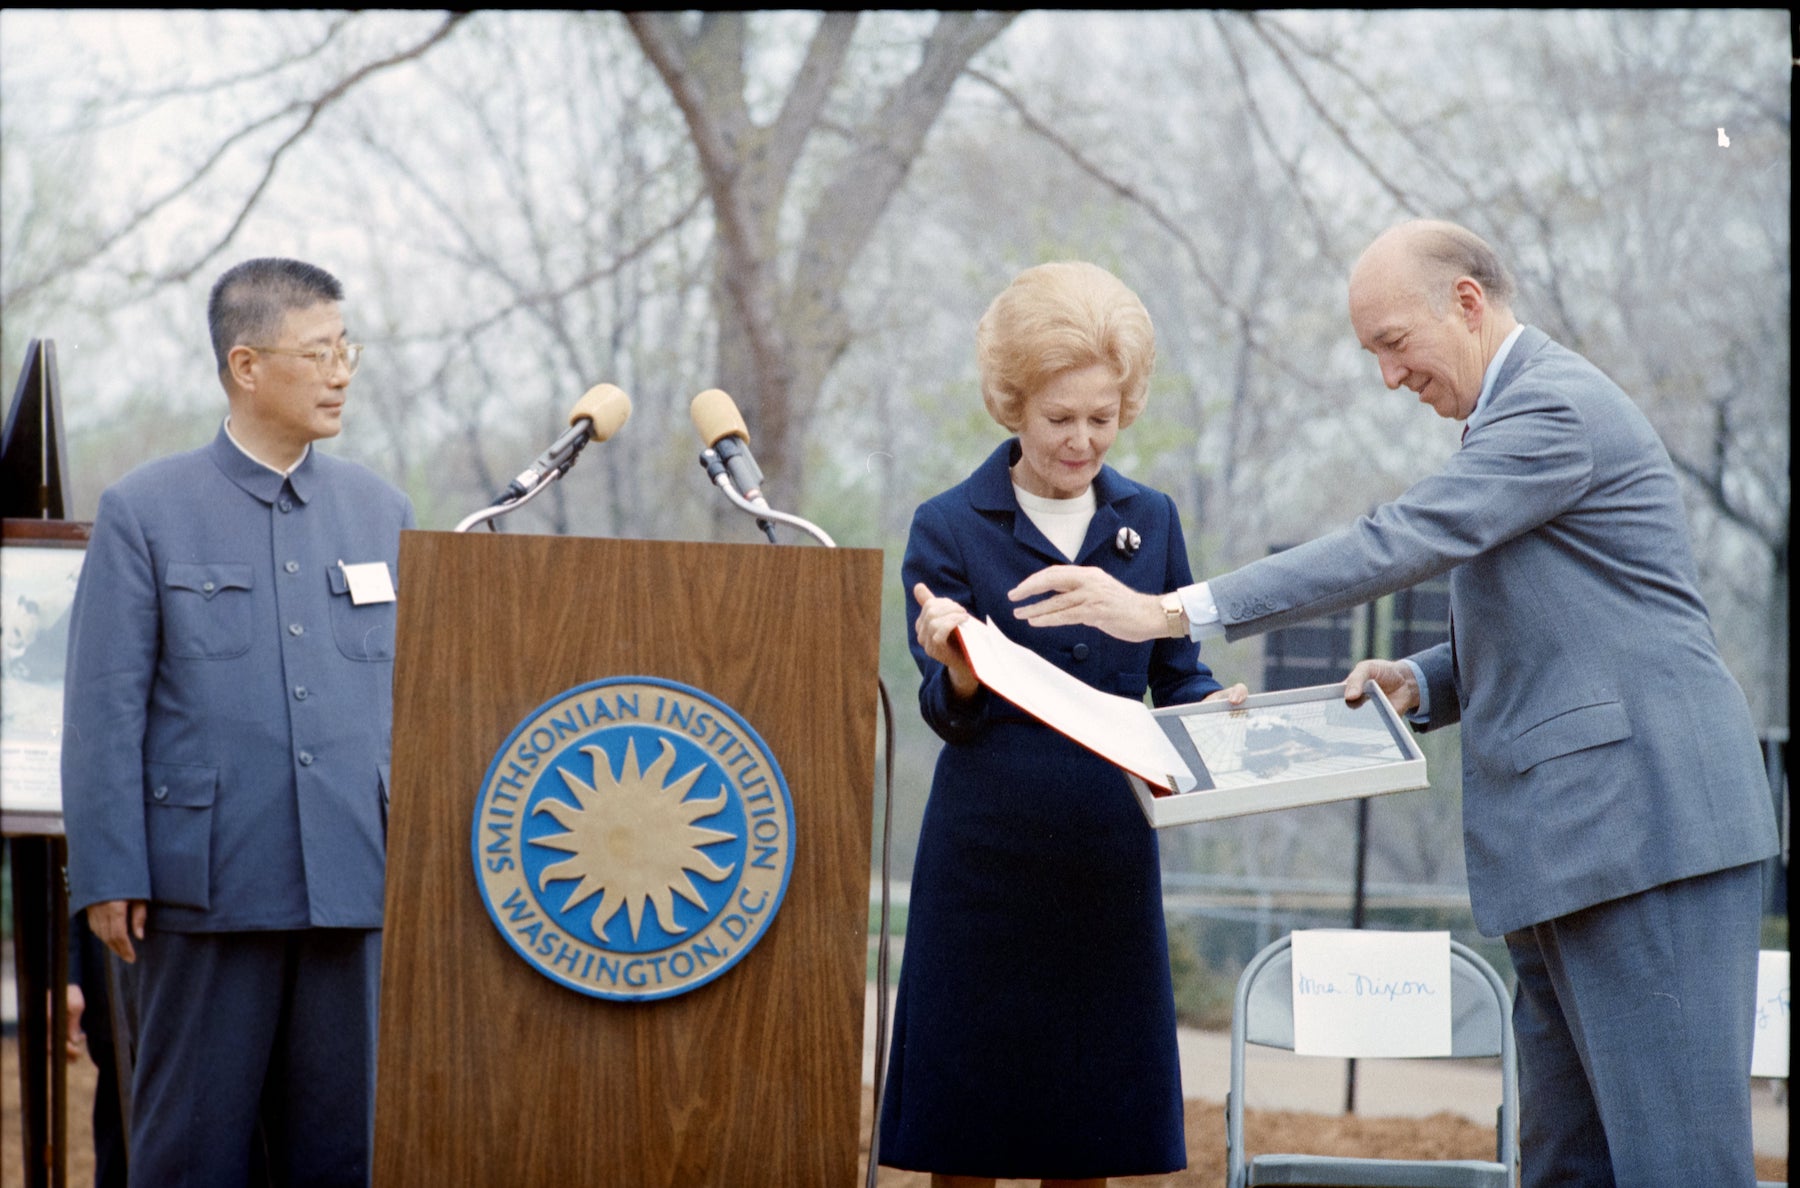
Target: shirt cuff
{"type": "Point", "coordinates": [1202, 612]}
{"type": "Point", "coordinates": [1422, 714]}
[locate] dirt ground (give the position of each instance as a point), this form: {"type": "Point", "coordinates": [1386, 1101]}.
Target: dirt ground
{"type": "Point", "coordinates": [1442, 1136]}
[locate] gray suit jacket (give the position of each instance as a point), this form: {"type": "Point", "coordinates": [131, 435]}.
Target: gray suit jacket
{"type": "Point", "coordinates": [1606, 748]}
{"type": "Point", "coordinates": [227, 708]}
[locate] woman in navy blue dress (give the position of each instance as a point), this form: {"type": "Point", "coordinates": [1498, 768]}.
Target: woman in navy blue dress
{"type": "Point", "coordinates": [1034, 1035]}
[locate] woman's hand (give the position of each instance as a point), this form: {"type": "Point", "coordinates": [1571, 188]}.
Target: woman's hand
{"type": "Point", "coordinates": [1235, 694]}
{"type": "Point", "coordinates": [936, 627]}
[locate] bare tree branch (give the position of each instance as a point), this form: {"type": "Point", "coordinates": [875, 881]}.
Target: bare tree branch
{"type": "Point", "coordinates": [1711, 482]}
{"type": "Point", "coordinates": [212, 86]}
{"type": "Point", "coordinates": [1246, 318]}
{"type": "Point", "coordinates": [1123, 189]}
{"type": "Point", "coordinates": [718, 121]}
{"type": "Point", "coordinates": [801, 110]}
{"type": "Point", "coordinates": [1401, 197]}
{"type": "Point", "coordinates": [1432, 158]}
{"type": "Point", "coordinates": [1289, 168]}
{"type": "Point", "coordinates": [313, 109]}
{"type": "Point", "coordinates": [539, 302]}
{"type": "Point", "coordinates": [99, 247]}
{"type": "Point", "coordinates": [778, 342]}
{"type": "Point", "coordinates": [848, 209]}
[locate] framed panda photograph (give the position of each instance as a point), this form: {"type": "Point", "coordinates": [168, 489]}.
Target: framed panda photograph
{"type": "Point", "coordinates": [1282, 750]}
{"type": "Point", "coordinates": [40, 562]}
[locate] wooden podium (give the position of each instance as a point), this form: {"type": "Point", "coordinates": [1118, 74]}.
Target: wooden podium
{"type": "Point", "coordinates": [491, 1073]}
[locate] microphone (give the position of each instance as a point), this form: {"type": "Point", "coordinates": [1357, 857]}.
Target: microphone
{"type": "Point", "coordinates": [602, 410]}
{"type": "Point", "coordinates": [721, 427]}
{"type": "Point", "coordinates": [733, 470]}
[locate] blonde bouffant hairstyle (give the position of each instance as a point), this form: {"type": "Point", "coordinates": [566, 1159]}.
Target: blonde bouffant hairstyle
{"type": "Point", "coordinates": [1062, 317]}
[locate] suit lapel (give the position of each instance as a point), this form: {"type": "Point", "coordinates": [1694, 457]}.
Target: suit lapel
{"type": "Point", "coordinates": [1112, 499]}
{"type": "Point", "coordinates": [1531, 340]}
{"type": "Point", "coordinates": [1101, 530]}
{"type": "Point", "coordinates": [990, 490]}
{"type": "Point", "coordinates": [1028, 534]}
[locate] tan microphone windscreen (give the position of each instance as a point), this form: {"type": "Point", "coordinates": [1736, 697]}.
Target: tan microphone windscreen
{"type": "Point", "coordinates": [606, 406]}
{"type": "Point", "coordinates": [716, 416]}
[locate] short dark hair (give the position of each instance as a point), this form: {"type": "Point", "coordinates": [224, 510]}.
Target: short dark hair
{"type": "Point", "coordinates": [1447, 251]}
{"type": "Point", "coordinates": [251, 300]}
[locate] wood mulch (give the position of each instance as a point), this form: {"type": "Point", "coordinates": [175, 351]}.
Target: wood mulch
{"type": "Point", "coordinates": [1441, 1136]}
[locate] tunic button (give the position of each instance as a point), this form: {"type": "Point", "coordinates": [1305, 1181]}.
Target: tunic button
{"type": "Point", "coordinates": [292, 567]}
{"type": "Point", "coordinates": [162, 793]}
{"type": "Point", "coordinates": [299, 692]}
{"type": "Point", "coordinates": [305, 758]}
{"type": "Point", "coordinates": [296, 629]}
{"type": "Point", "coordinates": [284, 505]}
{"type": "Point", "coordinates": [1081, 651]}
{"type": "Point", "coordinates": [207, 587]}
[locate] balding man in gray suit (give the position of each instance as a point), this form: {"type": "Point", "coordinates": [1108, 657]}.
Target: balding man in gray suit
{"type": "Point", "coordinates": [1615, 811]}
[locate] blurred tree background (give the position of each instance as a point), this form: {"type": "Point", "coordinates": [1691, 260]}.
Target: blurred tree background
{"type": "Point", "coordinates": [812, 210]}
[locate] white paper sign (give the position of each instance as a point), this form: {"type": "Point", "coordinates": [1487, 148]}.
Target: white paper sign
{"type": "Point", "coordinates": [1769, 1046]}
{"type": "Point", "coordinates": [1362, 993]}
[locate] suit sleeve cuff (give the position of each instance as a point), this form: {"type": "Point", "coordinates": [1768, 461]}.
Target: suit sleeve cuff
{"type": "Point", "coordinates": [1422, 714]}
{"type": "Point", "coordinates": [1202, 612]}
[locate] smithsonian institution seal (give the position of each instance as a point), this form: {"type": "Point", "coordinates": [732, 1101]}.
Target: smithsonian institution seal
{"type": "Point", "coordinates": [633, 838]}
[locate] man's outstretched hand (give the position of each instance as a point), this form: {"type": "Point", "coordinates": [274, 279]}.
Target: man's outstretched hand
{"type": "Point", "coordinates": [1089, 596]}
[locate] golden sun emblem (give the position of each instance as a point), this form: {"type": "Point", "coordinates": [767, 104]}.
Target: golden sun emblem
{"type": "Point", "coordinates": [632, 840]}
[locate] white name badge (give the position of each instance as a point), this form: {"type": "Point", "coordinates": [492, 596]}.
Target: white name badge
{"type": "Point", "coordinates": [369, 582]}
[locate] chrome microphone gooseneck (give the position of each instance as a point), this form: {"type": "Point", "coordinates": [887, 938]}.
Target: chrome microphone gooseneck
{"type": "Point", "coordinates": [602, 410]}
{"type": "Point", "coordinates": [509, 502]}
{"type": "Point", "coordinates": [765, 515]}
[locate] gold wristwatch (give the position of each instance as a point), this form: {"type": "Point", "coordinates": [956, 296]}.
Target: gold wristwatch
{"type": "Point", "coordinates": [1175, 616]}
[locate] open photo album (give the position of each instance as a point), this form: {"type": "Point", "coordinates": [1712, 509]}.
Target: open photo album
{"type": "Point", "coordinates": [1209, 760]}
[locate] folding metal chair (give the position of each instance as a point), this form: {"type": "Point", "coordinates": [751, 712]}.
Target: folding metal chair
{"type": "Point", "coordinates": [1763, 1038]}
{"type": "Point", "coordinates": [1481, 1025]}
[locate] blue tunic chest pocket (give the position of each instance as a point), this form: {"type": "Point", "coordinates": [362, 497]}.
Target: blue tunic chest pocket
{"type": "Point", "coordinates": [362, 632]}
{"type": "Point", "coordinates": [207, 610]}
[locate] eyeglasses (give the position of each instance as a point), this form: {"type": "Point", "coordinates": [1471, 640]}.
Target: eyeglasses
{"type": "Point", "coordinates": [324, 358]}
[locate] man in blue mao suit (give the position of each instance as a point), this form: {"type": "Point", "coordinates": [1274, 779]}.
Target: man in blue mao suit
{"type": "Point", "coordinates": [229, 704]}
{"type": "Point", "coordinates": [1615, 809]}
